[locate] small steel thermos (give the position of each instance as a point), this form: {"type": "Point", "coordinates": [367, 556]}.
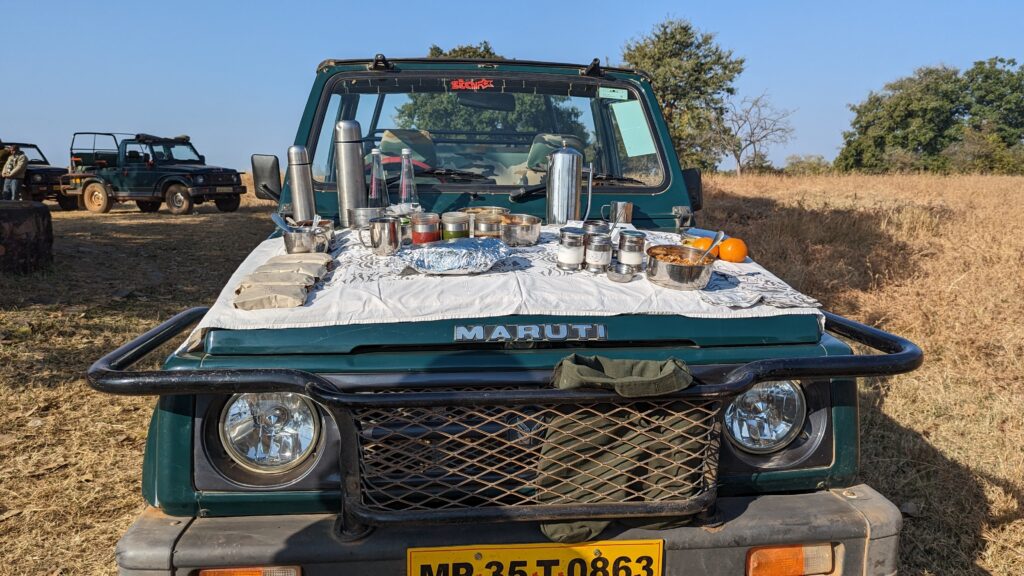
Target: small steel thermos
{"type": "Point", "coordinates": [351, 175]}
{"type": "Point", "coordinates": [300, 181]}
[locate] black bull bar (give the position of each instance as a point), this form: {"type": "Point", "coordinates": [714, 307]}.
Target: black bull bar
{"type": "Point", "coordinates": [379, 468]}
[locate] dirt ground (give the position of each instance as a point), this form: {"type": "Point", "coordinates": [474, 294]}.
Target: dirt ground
{"type": "Point", "coordinates": [938, 260]}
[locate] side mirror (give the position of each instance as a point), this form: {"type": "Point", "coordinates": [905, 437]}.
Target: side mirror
{"type": "Point", "coordinates": [266, 176]}
{"type": "Point", "coordinates": [202, 159]}
{"type": "Point", "coordinates": [694, 188]}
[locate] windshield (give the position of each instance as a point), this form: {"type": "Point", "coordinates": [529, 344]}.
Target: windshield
{"type": "Point", "coordinates": [34, 155]}
{"type": "Point", "coordinates": [174, 152]}
{"type": "Point", "coordinates": [494, 130]}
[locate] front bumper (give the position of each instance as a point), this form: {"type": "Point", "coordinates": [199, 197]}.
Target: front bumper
{"type": "Point", "coordinates": [860, 523]}
{"type": "Point", "coordinates": [42, 189]}
{"type": "Point", "coordinates": [212, 191]}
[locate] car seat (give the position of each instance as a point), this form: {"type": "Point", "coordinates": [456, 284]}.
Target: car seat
{"type": "Point", "coordinates": [531, 172]}
{"type": "Point", "coordinates": [424, 152]}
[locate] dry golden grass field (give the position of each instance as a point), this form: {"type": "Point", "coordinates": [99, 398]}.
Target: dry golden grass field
{"type": "Point", "coordinates": [937, 259]}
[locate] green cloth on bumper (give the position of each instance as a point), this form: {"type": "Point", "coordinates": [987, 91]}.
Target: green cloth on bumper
{"type": "Point", "coordinates": [628, 378]}
{"type": "Point", "coordinates": [606, 454]}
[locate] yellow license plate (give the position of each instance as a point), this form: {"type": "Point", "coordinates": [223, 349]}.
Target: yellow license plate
{"type": "Point", "coordinates": [225, 189]}
{"type": "Point", "coordinates": [608, 558]}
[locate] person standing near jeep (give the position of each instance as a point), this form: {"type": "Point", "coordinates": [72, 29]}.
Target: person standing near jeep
{"type": "Point", "coordinates": [5, 153]}
{"type": "Point", "coordinates": [14, 173]}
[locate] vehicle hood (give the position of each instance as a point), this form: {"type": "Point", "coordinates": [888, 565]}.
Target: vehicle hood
{"type": "Point", "coordinates": [196, 169]}
{"type": "Point", "coordinates": [45, 169]}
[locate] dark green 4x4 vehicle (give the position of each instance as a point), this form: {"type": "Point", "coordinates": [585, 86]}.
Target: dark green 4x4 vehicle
{"type": "Point", "coordinates": [149, 170]}
{"type": "Point", "coordinates": [401, 423]}
{"type": "Point", "coordinates": [43, 181]}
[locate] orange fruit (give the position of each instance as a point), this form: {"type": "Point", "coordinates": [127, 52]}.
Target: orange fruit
{"type": "Point", "coordinates": [732, 250]}
{"type": "Point", "coordinates": [703, 243]}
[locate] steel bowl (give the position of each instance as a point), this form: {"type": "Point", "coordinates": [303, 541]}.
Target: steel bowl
{"type": "Point", "coordinates": [496, 210]}
{"type": "Point", "coordinates": [360, 217]}
{"type": "Point", "coordinates": [661, 270]}
{"type": "Point", "coordinates": [619, 272]}
{"type": "Point", "coordinates": [520, 229]}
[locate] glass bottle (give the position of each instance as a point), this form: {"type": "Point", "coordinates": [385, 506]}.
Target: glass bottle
{"type": "Point", "coordinates": [409, 201]}
{"type": "Point", "coordinates": [378, 197]}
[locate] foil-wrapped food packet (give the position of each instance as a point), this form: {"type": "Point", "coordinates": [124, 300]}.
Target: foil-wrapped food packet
{"type": "Point", "coordinates": [459, 256]}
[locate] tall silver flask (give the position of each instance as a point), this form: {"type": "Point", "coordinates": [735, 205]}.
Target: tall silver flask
{"type": "Point", "coordinates": [348, 161]}
{"type": "Point", "coordinates": [300, 181]}
{"type": "Point", "coordinates": [565, 181]}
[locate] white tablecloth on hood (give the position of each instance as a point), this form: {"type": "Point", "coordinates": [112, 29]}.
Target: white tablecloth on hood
{"type": "Point", "coordinates": [365, 289]}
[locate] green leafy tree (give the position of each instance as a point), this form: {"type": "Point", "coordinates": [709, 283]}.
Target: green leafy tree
{"type": "Point", "coordinates": [907, 125]}
{"type": "Point", "coordinates": [995, 99]}
{"type": "Point", "coordinates": [692, 77]}
{"type": "Point", "coordinates": [442, 111]}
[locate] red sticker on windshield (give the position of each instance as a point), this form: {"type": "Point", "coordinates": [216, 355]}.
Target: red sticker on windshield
{"type": "Point", "coordinates": [462, 84]}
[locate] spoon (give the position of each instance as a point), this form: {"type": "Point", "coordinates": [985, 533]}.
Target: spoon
{"type": "Point", "coordinates": [279, 220]}
{"type": "Point", "coordinates": [719, 236]}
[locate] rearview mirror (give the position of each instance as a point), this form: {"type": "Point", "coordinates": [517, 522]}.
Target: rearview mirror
{"type": "Point", "coordinates": [266, 176]}
{"type": "Point", "coordinates": [487, 100]}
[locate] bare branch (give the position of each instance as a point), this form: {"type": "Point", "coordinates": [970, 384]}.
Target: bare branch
{"type": "Point", "coordinates": [755, 124]}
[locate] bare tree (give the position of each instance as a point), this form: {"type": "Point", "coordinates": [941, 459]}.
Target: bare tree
{"type": "Point", "coordinates": [755, 124]}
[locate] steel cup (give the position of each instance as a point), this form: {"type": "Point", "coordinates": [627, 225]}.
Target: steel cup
{"type": "Point", "coordinates": [385, 235]}
{"type": "Point", "coordinates": [618, 213]}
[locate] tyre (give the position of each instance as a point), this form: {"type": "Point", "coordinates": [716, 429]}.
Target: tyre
{"type": "Point", "coordinates": [148, 205]}
{"type": "Point", "coordinates": [228, 203]}
{"type": "Point", "coordinates": [96, 198]}
{"type": "Point", "coordinates": [68, 203]}
{"type": "Point", "coordinates": [178, 199]}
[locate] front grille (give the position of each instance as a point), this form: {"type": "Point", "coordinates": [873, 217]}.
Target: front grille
{"type": "Point", "coordinates": [220, 179]}
{"type": "Point", "coordinates": [436, 457]}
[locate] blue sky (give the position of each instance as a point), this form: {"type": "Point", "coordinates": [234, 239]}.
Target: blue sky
{"type": "Point", "coordinates": [236, 76]}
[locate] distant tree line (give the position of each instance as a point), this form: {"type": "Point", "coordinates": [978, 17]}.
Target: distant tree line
{"type": "Point", "coordinates": [941, 120]}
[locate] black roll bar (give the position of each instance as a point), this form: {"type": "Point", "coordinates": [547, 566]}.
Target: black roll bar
{"type": "Point", "coordinates": [111, 373]}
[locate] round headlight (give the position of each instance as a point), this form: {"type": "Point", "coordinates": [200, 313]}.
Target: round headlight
{"type": "Point", "coordinates": [37, 177]}
{"type": "Point", "coordinates": [767, 417]}
{"type": "Point", "coordinates": [200, 179]}
{"type": "Point", "coordinates": [269, 433]}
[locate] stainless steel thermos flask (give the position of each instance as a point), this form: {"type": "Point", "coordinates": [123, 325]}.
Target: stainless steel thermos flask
{"type": "Point", "coordinates": [348, 161]}
{"type": "Point", "coordinates": [300, 181]}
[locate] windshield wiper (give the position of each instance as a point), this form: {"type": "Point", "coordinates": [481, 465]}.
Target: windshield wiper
{"type": "Point", "coordinates": [453, 173]}
{"type": "Point", "coordinates": [610, 178]}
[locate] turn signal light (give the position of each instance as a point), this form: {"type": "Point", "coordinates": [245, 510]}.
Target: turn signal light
{"type": "Point", "coordinates": [253, 571]}
{"type": "Point", "coordinates": [798, 560]}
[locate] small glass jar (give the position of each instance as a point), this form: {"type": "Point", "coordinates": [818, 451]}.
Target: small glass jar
{"type": "Point", "coordinates": [570, 248]}
{"type": "Point", "coordinates": [487, 226]}
{"type": "Point", "coordinates": [426, 227]}
{"type": "Point", "coordinates": [454, 225]}
{"type": "Point", "coordinates": [598, 253]}
{"type": "Point", "coordinates": [631, 248]}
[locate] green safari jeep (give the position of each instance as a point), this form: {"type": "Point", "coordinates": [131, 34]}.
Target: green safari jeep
{"type": "Point", "coordinates": [438, 446]}
{"type": "Point", "coordinates": [149, 170]}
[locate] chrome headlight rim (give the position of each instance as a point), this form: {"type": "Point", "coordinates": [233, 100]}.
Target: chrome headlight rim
{"type": "Point", "coordinates": [264, 471]}
{"type": "Point", "coordinates": [788, 438]}
{"type": "Point", "coordinates": [200, 179]}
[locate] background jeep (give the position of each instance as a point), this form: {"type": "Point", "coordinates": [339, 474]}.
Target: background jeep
{"type": "Point", "coordinates": [43, 181]}
{"type": "Point", "coordinates": [149, 170]}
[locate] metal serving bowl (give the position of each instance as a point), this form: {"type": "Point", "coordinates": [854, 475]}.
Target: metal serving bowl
{"type": "Point", "coordinates": [619, 272]}
{"type": "Point", "coordinates": [496, 210]}
{"type": "Point", "coordinates": [661, 271]}
{"type": "Point", "coordinates": [520, 229]}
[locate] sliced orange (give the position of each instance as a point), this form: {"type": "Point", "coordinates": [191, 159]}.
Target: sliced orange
{"type": "Point", "coordinates": [732, 250]}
